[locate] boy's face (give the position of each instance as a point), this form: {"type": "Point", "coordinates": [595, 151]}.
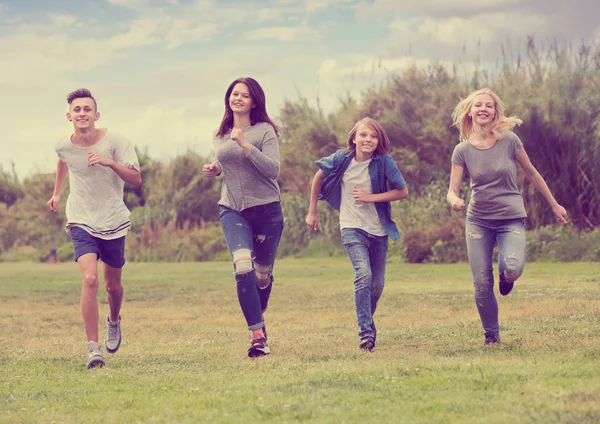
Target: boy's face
{"type": "Point", "coordinates": [82, 112]}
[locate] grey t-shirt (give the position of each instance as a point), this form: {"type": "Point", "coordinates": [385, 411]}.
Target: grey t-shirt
{"type": "Point", "coordinates": [494, 183]}
{"type": "Point", "coordinates": [249, 180]}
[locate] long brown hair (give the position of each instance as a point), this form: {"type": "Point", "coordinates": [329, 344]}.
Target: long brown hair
{"type": "Point", "coordinates": [383, 141]}
{"type": "Point", "coordinates": [257, 114]}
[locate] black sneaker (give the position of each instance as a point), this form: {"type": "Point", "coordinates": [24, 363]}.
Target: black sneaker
{"type": "Point", "coordinates": [367, 343]}
{"type": "Point", "coordinates": [259, 347]}
{"type": "Point", "coordinates": [505, 285]}
{"type": "Point", "coordinates": [491, 338]}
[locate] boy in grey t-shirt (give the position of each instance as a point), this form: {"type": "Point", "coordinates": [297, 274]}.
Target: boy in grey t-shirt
{"type": "Point", "coordinates": [489, 153]}
{"type": "Point", "coordinates": [99, 162]}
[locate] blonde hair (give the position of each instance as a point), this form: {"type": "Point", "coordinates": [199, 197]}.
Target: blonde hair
{"type": "Point", "coordinates": [464, 122]}
{"type": "Point", "coordinates": [383, 141]}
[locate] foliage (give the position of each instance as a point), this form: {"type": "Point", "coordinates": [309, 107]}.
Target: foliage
{"type": "Point", "coordinates": [553, 88]}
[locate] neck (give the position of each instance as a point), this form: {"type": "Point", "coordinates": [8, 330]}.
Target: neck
{"type": "Point", "coordinates": [241, 121]}
{"type": "Point", "coordinates": [361, 156]}
{"type": "Point", "coordinates": [86, 136]}
{"type": "Point", "coordinates": [480, 131]}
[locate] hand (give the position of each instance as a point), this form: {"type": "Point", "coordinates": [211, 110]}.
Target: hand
{"type": "Point", "coordinates": [361, 195]}
{"type": "Point", "coordinates": [312, 220]}
{"type": "Point", "coordinates": [53, 203]}
{"type": "Point", "coordinates": [96, 158]}
{"type": "Point", "coordinates": [458, 205]}
{"type": "Point", "coordinates": [211, 170]}
{"type": "Point", "coordinates": [237, 135]}
{"type": "Point", "coordinates": [560, 212]}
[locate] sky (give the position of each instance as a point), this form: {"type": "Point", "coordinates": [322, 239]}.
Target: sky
{"type": "Point", "coordinates": [159, 69]}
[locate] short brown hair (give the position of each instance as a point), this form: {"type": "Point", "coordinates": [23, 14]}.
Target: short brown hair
{"type": "Point", "coordinates": [81, 93]}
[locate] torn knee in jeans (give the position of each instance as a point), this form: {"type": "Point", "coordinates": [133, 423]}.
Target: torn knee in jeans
{"type": "Point", "coordinates": [242, 261]}
{"type": "Point", "coordinates": [474, 236]}
{"type": "Point", "coordinates": [263, 275]}
{"type": "Point", "coordinates": [484, 288]}
{"type": "Point", "coordinates": [512, 269]}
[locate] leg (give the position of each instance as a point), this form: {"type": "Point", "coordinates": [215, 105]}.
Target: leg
{"type": "Point", "coordinates": [378, 257]}
{"type": "Point", "coordinates": [512, 250]}
{"type": "Point", "coordinates": [481, 239]}
{"type": "Point", "coordinates": [238, 235]}
{"type": "Point", "coordinates": [114, 291]}
{"type": "Point", "coordinates": [112, 253]}
{"type": "Point", "coordinates": [356, 245]}
{"type": "Point", "coordinates": [267, 222]}
{"type": "Point", "coordinates": [86, 252]}
{"type": "Point", "coordinates": [89, 291]}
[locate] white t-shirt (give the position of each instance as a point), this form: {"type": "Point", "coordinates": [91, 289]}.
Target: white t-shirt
{"type": "Point", "coordinates": [353, 213]}
{"type": "Point", "coordinates": [95, 201]}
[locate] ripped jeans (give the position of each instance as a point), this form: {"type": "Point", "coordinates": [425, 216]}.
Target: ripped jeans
{"type": "Point", "coordinates": [482, 235]}
{"type": "Point", "coordinates": [252, 237]}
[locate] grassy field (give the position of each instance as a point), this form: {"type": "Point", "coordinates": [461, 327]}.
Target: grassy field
{"type": "Point", "coordinates": [183, 357]}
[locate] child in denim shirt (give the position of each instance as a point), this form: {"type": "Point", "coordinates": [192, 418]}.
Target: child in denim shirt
{"type": "Point", "coordinates": [361, 181]}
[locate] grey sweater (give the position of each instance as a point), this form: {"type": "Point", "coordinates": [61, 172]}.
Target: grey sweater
{"type": "Point", "coordinates": [249, 180]}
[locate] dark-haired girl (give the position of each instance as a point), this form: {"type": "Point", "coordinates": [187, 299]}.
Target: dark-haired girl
{"type": "Point", "coordinates": [247, 151]}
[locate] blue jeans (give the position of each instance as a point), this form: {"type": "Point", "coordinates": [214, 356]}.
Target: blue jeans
{"type": "Point", "coordinates": [482, 235]}
{"type": "Point", "coordinates": [253, 233]}
{"type": "Point", "coordinates": [368, 254]}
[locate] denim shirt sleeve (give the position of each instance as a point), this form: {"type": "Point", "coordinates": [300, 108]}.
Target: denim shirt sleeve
{"type": "Point", "coordinates": [328, 163]}
{"type": "Point", "coordinates": [393, 174]}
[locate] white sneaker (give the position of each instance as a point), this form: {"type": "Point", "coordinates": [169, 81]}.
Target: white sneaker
{"type": "Point", "coordinates": [112, 341]}
{"type": "Point", "coordinates": [95, 358]}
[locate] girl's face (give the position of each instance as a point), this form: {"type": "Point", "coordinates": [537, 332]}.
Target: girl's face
{"type": "Point", "coordinates": [482, 110]}
{"type": "Point", "coordinates": [240, 100]}
{"type": "Point", "coordinates": [366, 140]}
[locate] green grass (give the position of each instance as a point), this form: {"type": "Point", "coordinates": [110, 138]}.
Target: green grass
{"type": "Point", "coordinates": [183, 357]}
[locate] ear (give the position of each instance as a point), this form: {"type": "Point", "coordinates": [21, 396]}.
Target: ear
{"type": "Point", "coordinates": [97, 116]}
{"type": "Point", "coordinates": [69, 116]}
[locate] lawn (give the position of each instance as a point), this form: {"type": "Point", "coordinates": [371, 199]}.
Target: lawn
{"type": "Point", "coordinates": [183, 357]}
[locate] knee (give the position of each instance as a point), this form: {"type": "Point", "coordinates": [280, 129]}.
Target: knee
{"type": "Point", "coordinates": [363, 279]}
{"type": "Point", "coordinates": [113, 285]}
{"type": "Point", "coordinates": [242, 261]}
{"type": "Point", "coordinates": [263, 275]}
{"type": "Point", "coordinates": [90, 281]}
{"type": "Point", "coordinates": [513, 267]}
{"type": "Point", "coordinates": [484, 287]}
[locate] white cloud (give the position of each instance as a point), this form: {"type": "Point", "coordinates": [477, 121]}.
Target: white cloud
{"type": "Point", "coordinates": [313, 6]}
{"type": "Point", "coordinates": [299, 33]}
{"type": "Point", "coordinates": [129, 4]}
{"type": "Point", "coordinates": [453, 31]}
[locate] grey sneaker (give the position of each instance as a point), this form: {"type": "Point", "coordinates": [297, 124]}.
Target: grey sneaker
{"type": "Point", "coordinates": [112, 342]}
{"type": "Point", "coordinates": [95, 358]}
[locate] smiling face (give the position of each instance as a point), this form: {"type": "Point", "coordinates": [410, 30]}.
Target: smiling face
{"type": "Point", "coordinates": [483, 110]}
{"type": "Point", "coordinates": [366, 140]}
{"type": "Point", "coordinates": [83, 114]}
{"type": "Point", "coordinates": [240, 100]}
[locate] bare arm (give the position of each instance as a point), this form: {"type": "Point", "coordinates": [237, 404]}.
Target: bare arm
{"type": "Point", "coordinates": [453, 198]}
{"type": "Point", "coordinates": [61, 173]}
{"type": "Point", "coordinates": [129, 175]}
{"type": "Point", "coordinates": [534, 176]}
{"type": "Point", "coordinates": [312, 219]}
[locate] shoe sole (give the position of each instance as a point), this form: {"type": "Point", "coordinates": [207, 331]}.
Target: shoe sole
{"type": "Point", "coordinates": [96, 362]}
{"type": "Point", "coordinates": [255, 352]}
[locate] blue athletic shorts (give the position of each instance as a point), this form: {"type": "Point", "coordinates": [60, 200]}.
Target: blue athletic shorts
{"type": "Point", "coordinates": [112, 252]}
